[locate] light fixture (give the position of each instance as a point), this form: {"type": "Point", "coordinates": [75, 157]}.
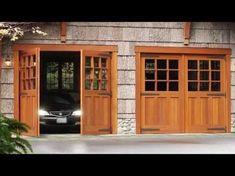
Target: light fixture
{"type": "Point", "coordinates": [8, 61]}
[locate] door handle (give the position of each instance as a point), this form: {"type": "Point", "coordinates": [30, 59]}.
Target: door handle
{"type": "Point", "coordinates": [216, 94]}
{"type": "Point", "coordinates": [105, 93]}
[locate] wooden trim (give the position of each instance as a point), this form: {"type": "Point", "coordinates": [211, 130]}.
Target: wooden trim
{"type": "Point", "coordinates": [38, 57]}
{"type": "Point", "coordinates": [228, 93]}
{"type": "Point", "coordinates": [65, 47]}
{"type": "Point", "coordinates": [114, 93]}
{"type": "Point", "coordinates": [82, 87]}
{"type": "Point", "coordinates": [183, 50]}
{"type": "Point", "coordinates": [63, 31]}
{"type": "Point", "coordinates": [16, 84]}
{"type": "Point", "coordinates": [187, 29]}
{"type": "Point", "coordinates": [137, 94]}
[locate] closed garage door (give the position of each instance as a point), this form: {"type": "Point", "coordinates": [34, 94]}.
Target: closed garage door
{"type": "Point", "coordinates": [182, 93]}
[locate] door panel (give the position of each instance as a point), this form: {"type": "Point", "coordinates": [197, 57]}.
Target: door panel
{"type": "Point", "coordinates": [96, 93]}
{"type": "Point", "coordinates": [162, 109]}
{"type": "Point", "coordinates": [29, 89]}
{"type": "Point", "coordinates": [205, 94]}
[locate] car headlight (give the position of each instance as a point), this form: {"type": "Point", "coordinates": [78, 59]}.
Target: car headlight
{"type": "Point", "coordinates": [43, 112]}
{"type": "Point", "coordinates": [77, 113]}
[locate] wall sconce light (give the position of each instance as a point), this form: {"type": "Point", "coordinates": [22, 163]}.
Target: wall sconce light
{"type": "Point", "coordinates": [8, 61]}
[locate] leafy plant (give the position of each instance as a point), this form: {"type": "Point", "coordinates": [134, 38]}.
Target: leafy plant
{"type": "Point", "coordinates": [10, 140]}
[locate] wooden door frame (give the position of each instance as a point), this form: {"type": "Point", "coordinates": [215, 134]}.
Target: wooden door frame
{"type": "Point", "coordinates": [76, 48]}
{"type": "Point", "coordinates": [226, 52]}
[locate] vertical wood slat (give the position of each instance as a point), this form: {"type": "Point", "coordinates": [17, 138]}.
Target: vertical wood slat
{"type": "Point", "coordinates": [137, 92]}
{"type": "Point", "coordinates": [113, 89]}
{"type": "Point", "coordinates": [187, 28]}
{"type": "Point", "coordinates": [63, 31]}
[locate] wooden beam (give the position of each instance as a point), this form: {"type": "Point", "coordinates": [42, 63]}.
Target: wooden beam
{"type": "Point", "coordinates": [63, 31]}
{"type": "Point", "coordinates": [187, 27]}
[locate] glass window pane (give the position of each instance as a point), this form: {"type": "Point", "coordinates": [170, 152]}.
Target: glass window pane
{"type": "Point", "coordinates": [204, 75]}
{"type": "Point", "coordinates": [104, 74]}
{"type": "Point", "coordinates": [149, 63]}
{"type": "Point", "coordinates": [215, 65]}
{"type": "Point", "coordinates": [161, 64]}
{"type": "Point", "coordinates": [88, 73]}
{"type": "Point", "coordinates": [95, 84]}
{"type": "Point", "coordinates": [192, 86]}
{"type": "Point", "coordinates": [173, 86]}
{"type": "Point", "coordinates": [33, 84]}
{"type": "Point", "coordinates": [34, 60]}
{"type": "Point", "coordinates": [161, 75]}
{"type": "Point", "coordinates": [215, 86]}
{"type": "Point", "coordinates": [52, 75]}
{"type": "Point", "coordinates": [34, 72]}
{"type": "Point", "coordinates": [87, 84]}
{"type": "Point", "coordinates": [192, 64]}
{"type": "Point", "coordinates": [149, 74]}
{"type": "Point", "coordinates": [103, 62]}
{"type": "Point", "coordinates": [204, 64]}
{"type": "Point", "coordinates": [173, 64]}
{"type": "Point", "coordinates": [97, 73]}
{"type": "Point", "coordinates": [162, 86]}
{"type": "Point", "coordinates": [67, 75]}
{"type": "Point", "coordinates": [215, 75]}
{"type": "Point", "coordinates": [88, 61]}
{"type": "Point", "coordinates": [173, 75]}
{"type": "Point", "coordinates": [96, 61]}
{"type": "Point", "coordinates": [149, 86]}
{"type": "Point", "coordinates": [104, 85]}
{"type": "Point", "coordinates": [192, 75]}
{"type": "Point", "coordinates": [204, 86]}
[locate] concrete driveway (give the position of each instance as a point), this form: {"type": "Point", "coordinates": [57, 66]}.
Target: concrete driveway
{"type": "Point", "coordinates": [134, 144]}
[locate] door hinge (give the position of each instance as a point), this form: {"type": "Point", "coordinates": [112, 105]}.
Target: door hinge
{"type": "Point", "coordinates": [106, 93]}
{"type": "Point", "coordinates": [149, 93]}
{"type": "Point", "coordinates": [215, 128]}
{"type": "Point", "coordinates": [216, 94]}
{"type": "Point", "coordinates": [105, 129]}
{"type": "Point", "coordinates": [150, 129]}
{"type": "Point", "coordinates": [23, 93]}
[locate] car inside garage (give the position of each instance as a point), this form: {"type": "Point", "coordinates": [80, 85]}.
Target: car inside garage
{"type": "Point", "coordinates": [59, 92]}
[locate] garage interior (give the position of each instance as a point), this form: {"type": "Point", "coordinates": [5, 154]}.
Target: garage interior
{"type": "Point", "coordinates": [59, 92]}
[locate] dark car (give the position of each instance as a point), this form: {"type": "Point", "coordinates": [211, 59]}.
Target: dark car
{"type": "Point", "coordinates": [59, 109]}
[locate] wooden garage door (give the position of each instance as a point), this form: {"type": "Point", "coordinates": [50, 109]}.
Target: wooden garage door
{"type": "Point", "coordinates": [182, 93]}
{"type": "Point", "coordinates": [205, 96]}
{"type": "Point", "coordinates": [96, 93]}
{"type": "Point", "coordinates": [162, 109]}
{"type": "Point", "coordinates": [29, 89]}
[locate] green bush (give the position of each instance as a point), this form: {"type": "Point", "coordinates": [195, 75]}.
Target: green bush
{"type": "Point", "coordinates": [10, 140]}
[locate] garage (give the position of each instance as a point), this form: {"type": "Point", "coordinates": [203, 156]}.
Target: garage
{"type": "Point", "coordinates": [182, 90]}
{"type": "Point", "coordinates": [65, 85]}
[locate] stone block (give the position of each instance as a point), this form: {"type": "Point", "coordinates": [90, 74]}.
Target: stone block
{"type": "Point", "coordinates": [126, 77]}
{"type": "Point", "coordinates": [126, 91]}
{"type": "Point", "coordinates": [126, 106]}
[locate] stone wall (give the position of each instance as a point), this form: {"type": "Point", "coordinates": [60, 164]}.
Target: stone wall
{"type": "Point", "coordinates": [126, 35]}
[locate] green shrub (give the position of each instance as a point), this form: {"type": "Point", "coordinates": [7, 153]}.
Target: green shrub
{"type": "Point", "coordinates": [10, 140]}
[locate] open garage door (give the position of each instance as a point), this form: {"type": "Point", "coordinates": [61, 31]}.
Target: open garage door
{"type": "Point", "coordinates": [96, 93]}
{"type": "Point", "coordinates": [29, 89]}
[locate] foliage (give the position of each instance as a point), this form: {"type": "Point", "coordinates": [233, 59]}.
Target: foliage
{"type": "Point", "coordinates": [10, 140]}
{"type": "Point", "coordinates": [15, 30]}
